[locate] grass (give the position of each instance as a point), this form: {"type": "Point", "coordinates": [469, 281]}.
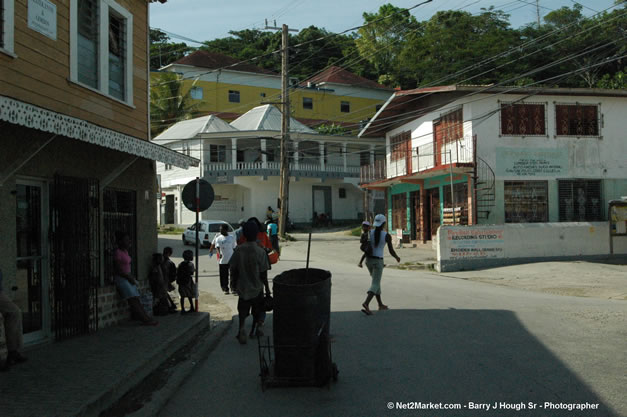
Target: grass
{"type": "Point", "coordinates": [169, 230]}
{"type": "Point", "coordinates": [354, 232]}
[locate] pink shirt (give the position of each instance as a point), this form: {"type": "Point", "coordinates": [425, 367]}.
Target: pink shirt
{"type": "Point", "coordinates": [122, 260]}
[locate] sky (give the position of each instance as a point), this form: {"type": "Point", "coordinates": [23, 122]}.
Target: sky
{"type": "Point", "coordinates": [201, 20]}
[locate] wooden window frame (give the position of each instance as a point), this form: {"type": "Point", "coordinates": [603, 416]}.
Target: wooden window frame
{"type": "Point", "coordinates": [106, 8]}
{"type": "Point", "coordinates": [400, 146]}
{"type": "Point", "coordinates": [8, 27]}
{"type": "Point", "coordinates": [559, 128]}
{"type": "Point", "coordinates": [509, 109]}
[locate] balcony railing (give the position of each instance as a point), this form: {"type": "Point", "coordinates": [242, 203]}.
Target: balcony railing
{"type": "Point", "coordinates": [372, 173]}
{"type": "Point", "coordinates": [242, 168]}
{"type": "Point", "coordinates": [425, 157]}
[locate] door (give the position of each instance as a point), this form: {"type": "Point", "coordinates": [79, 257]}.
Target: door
{"type": "Point", "coordinates": [169, 209]}
{"type": "Point", "coordinates": [32, 277]}
{"type": "Point", "coordinates": [321, 198]}
{"type": "Point", "coordinates": [414, 198]}
{"type": "Point", "coordinates": [434, 199]}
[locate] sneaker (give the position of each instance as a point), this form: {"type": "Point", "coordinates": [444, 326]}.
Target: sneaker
{"type": "Point", "coordinates": [226, 291]}
{"type": "Point", "coordinates": [241, 337]}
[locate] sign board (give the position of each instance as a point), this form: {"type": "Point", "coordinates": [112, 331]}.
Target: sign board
{"type": "Point", "coordinates": [206, 195]}
{"type": "Point", "coordinates": [475, 243]}
{"type": "Point", "coordinates": [42, 17]}
{"type": "Point", "coordinates": [521, 162]}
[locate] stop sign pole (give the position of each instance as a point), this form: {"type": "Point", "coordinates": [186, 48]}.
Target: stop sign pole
{"type": "Point", "coordinates": [197, 240]}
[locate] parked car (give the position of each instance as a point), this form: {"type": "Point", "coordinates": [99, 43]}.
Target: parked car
{"type": "Point", "coordinates": [206, 232]}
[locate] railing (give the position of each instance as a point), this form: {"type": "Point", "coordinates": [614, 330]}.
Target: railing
{"type": "Point", "coordinates": [276, 166]}
{"type": "Point", "coordinates": [425, 157]}
{"type": "Point", "coordinates": [371, 173]}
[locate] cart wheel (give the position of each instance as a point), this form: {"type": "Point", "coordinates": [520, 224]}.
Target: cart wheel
{"type": "Point", "coordinates": [334, 372]}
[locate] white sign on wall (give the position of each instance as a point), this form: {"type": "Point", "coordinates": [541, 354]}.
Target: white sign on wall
{"type": "Point", "coordinates": [42, 17]}
{"type": "Point", "coordinates": [475, 243]}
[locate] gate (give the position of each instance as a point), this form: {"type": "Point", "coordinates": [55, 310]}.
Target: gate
{"type": "Point", "coordinates": [74, 226]}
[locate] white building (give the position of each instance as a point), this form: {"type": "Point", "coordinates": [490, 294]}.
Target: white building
{"type": "Point", "coordinates": [241, 161]}
{"type": "Point", "coordinates": [514, 155]}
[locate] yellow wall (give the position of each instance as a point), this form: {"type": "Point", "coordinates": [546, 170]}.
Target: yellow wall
{"type": "Point", "coordinates": [326, 105]}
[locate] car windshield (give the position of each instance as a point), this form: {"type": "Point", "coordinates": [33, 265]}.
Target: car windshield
{"type": "Point", "coordinates": [215, 227]}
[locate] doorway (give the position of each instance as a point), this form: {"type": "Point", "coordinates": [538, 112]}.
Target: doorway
{"type": "Point", "coordinates": [432, 212]}
{"type": "Point", "coordinates": [414, 198]}
{"type": "Point", "coordinates": [321, 201]}
{"type": "Point", "coordinates": [32, 274]}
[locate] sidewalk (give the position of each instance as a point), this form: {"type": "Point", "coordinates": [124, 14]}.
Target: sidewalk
{"type": "Point", "coordinates": [85, 375]}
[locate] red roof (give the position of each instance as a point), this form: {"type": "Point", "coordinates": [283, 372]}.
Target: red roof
{"type": "Point", "coordinates": [339, 75]}
{"type": "Point", "coordinates": [214, 60]}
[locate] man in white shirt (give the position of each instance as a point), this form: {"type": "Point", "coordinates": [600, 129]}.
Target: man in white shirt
{"type": "Point", "coordinates": [225, 244]}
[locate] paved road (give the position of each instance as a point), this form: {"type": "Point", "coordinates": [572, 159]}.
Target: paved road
{"type": "Point", "coordinates": [446, 340]}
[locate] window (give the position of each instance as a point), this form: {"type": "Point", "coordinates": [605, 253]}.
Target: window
{"type": "Point", "coordinates": [399, 211]}
{"type": "Point", "coordinates": [217, 153]}
{"type": "Point", "coordinates": [233, 96]}
{"type": "Point", "coordinates": [101, 47]}
{"type": "Point", "coordinates": [400, 146]}
{"type": "Point", "coordinates": [523, 119]}
{"type": "Point", "coordinates": [345, 107]}
{"type": "Point", "coordinates": [580, 200]}
{"type": "Point", "coordinates": [450, 127]}
{"type": "Point", "coordinates": [6, 25]}
{"type": "Point", "coordinates": [186, 149]}
{"type": "Point", "coordinates": [196, 93]}
{"type": "Point", "coordinates": [168, 167]}
{"type": "Point", "coordinates": [342, 192]}
{"type": "Point", "coordinates": [526, 201]}
{"type": "Point", "coordinates": [307, 103]}
{"type": "Point", "coordinates": [364, 158]}
{"type": "Point", "coordinates": [262, 94]}
{"type": "Point", "coordinates": [576, 120]}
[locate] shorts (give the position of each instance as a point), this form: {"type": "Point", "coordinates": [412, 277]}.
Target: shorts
{"type": "Point", "coordinates": [375, 267]}
{"type": "Point", "coordinates": [256, 304]}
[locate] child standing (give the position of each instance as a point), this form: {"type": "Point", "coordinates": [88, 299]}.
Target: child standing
{"type": "Point", "coordinates": [185, 281]}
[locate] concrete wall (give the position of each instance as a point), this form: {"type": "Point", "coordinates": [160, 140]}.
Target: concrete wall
{"type": "Point", "coordinates": [485, 246]}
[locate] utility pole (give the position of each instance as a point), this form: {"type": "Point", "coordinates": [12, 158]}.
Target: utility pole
{"type": "Point", "coordinates": [284, 181]}
{"type": "Point", "coordinates": [538, 12]}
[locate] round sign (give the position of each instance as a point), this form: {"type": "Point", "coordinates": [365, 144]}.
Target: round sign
{"type": "Point", "coordinates": [205, 192]}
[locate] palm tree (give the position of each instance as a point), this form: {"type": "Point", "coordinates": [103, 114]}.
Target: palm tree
{"type": "Point", "coordinates": [168, 104]}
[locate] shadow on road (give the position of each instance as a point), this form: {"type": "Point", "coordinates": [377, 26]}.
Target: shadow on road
{"type": "Point", "coordinates": [428, 356]}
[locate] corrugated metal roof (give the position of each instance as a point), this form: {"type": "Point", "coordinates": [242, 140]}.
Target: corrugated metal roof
{"type": "Point", "coordinates": [215, 60]}
{"type": "Point", "coordinates": [188, 129]}
{"type": "Point", "coordinates": [338, 75]}
{"type": "Point", "coordinates": [267, 117]}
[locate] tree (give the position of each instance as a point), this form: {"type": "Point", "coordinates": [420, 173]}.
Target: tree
{"type": "Point", "coordinates": [382, 40]}
{"type": "Point", "coordinates": [164, 52]}
{"type": "Point", "coordinates": [168, 103]}
{"type": "Point", "coordinates": [332, 129]}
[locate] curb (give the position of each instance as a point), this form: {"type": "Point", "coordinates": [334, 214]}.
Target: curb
{"type": "Point", "coordinates": [108, 399]}
{"type": "Point", "coordinates": [193, 356]}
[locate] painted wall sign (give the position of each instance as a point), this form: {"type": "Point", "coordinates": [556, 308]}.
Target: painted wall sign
{"type": "Point", "coordinates": [42, 17]}
{"type": "Point", "coordinates": [520, 162]}
{"type": "Point", "coordinates": [475, 243]}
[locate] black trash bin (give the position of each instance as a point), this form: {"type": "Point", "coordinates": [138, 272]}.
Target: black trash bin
{"type": "Point", "coordinates": [301, 319]}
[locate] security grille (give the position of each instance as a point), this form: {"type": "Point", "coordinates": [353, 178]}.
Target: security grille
{"type": "Point", "coordinates": [580, 200]}
{"type": "Point", "coordinates": [526, 119]}
{"type": "Point", "coordinates": [119, 215]}
{"type": "Point", "coordinates": [75, 255]}
{"type": "Point", "coordinates": [526, 201]}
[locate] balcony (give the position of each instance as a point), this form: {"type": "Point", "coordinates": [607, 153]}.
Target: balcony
{"type": "Point", "coordinates": [225, 171]}
{"type": "Point", "coordinates": [372, 173]}
{"type": "Point", "coordinates": [425, 157]}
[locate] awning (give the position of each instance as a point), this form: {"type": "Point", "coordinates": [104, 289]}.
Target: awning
{"type": "Point", "coordinates": [34, 117]}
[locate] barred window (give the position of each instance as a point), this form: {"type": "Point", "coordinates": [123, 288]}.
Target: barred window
{"type": "Point", "coordinates": [523, 119]}
{"type": "Point", "coordinates": [450, 126]}
{"type": "Point", "coordinates": [526, 201]}
{"type": "Point", "coordinates": [580, 200]}
{"type": "Point", "coordinates": [576, 120]}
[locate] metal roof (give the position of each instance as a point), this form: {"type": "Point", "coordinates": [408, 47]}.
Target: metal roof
{"type": "Point", "coordinates": [188, 129]}
{"type": "Point", "coordinates": [266, 117]}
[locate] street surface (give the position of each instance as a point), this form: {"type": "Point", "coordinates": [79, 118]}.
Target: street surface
{"type": "Point", "coordinates": [453, 340]}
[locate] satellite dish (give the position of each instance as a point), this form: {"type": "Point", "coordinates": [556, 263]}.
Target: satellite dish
{"type": "Point", "coordinates": [206, 195]}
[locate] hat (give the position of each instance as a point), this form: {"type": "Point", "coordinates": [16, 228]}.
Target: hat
{"type": "Point", "coordinates": [365, 223]}
{"type": "Point", "coordinates": [379, 219]}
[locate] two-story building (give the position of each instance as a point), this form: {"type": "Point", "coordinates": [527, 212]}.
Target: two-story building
{"type": "Point", "coordinates": [76, 164]}
{"type": "Point", "coordinates": [512, 154]}
{"type": "Point", "coordinates": [241, 161]}
{"type": "Point", "coordinates": [223, 86]}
